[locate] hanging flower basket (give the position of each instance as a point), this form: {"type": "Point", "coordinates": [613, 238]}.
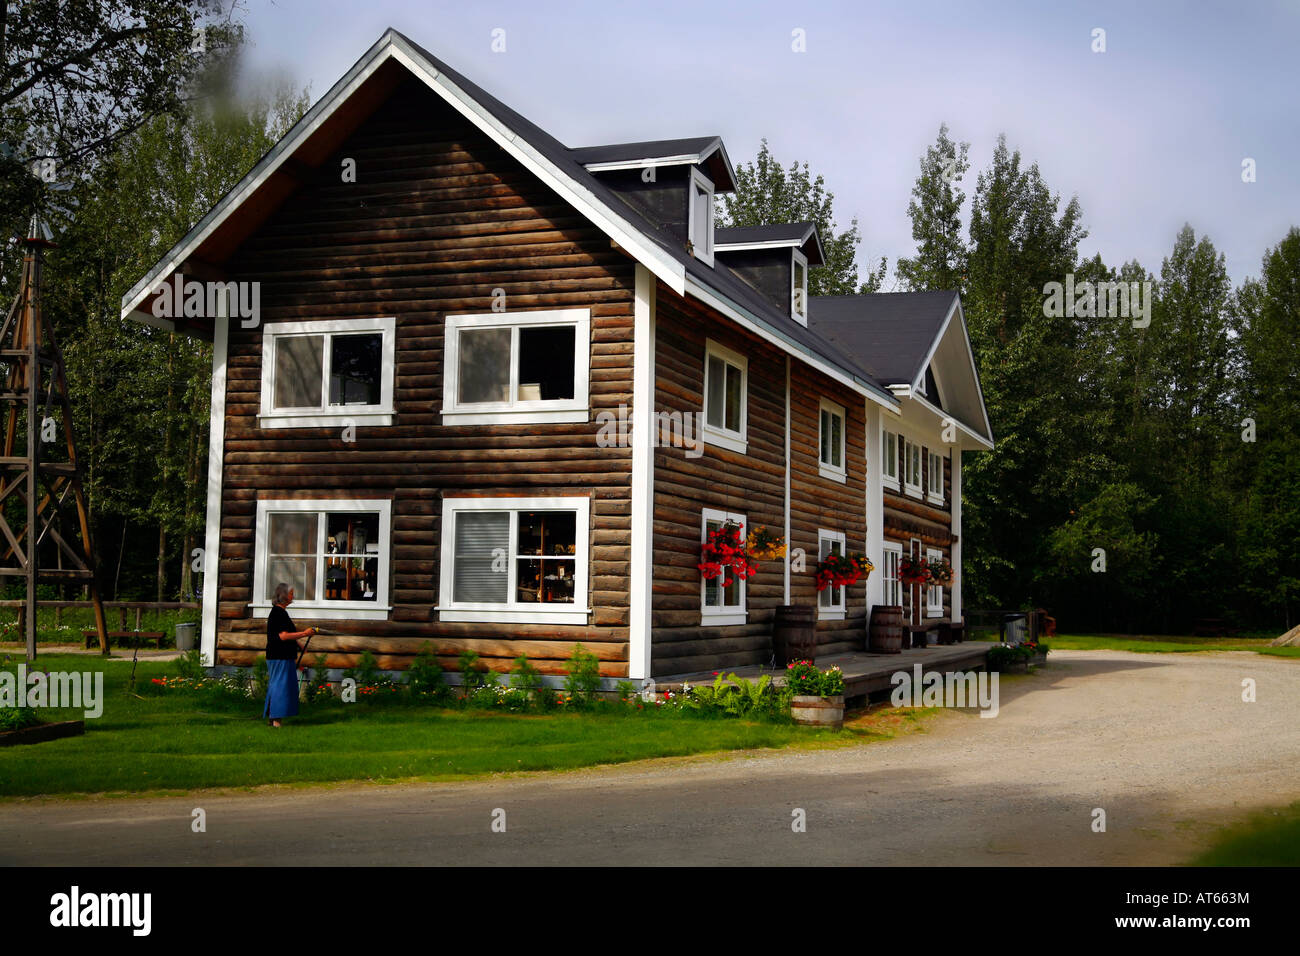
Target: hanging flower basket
{"type": "Point", "coordinates": [913, 571]}
{"type": "Point", "coordinates": [764, 545]}
{"type": "Point", "coordinates": [940, 572]}
{"type": "Point", "coordinates": [841, 570]}
{"type": "Point", "coordinates": [724, 556]}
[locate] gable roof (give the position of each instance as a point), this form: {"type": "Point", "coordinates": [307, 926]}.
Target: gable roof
{"type": "Point", "coordinates": [798, 235]}
{"type": "Point", "coordinates": [368, 82]}
{"type": "Point", "coordinates": [909, 341]}
{"type": "Point", "coordinates": [698, 151]}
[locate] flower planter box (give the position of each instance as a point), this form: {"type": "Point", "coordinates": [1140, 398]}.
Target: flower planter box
{"type": "Point", "coordinates": [42, 732]}
{"type": "Point", "coordinates": [818, 711]}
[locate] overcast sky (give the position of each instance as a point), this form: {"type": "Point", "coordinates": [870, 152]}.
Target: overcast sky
{"type": "Point", "coordinates": [1149, 134]}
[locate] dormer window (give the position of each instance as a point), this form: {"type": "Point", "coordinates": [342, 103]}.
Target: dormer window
{"type": "Point", "coordinates": [701, 217]}
{"type": "Point", "coordinates": [799, 287]}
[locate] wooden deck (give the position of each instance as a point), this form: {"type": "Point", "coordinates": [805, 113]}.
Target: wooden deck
{"type": "Point", "coordinates": [864, 673]}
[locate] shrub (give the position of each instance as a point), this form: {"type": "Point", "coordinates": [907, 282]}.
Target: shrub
{"type": "Point", "coordinates": [545, 698]}
{"type": "Point", "coordinates": [190, 664]}
{"type": "Point", "coordinates": [627, 691]}
{"type": "Point", "coordinates": [472, 677]}
{"type": "Point", "coordinates": [424, 676]}
{"type": "Point", "coordinates": [16, 718]}
{"type": "Point", "coordinates": [318, 687]}
{"type": "Point", "coordinates": [261, 677]}
{"type": "Point", "coordinates": [366, 672]}
{"type": "Point", "coordinates": [583, 681]}
{"type": "Point", "coordinates": [525, 676]}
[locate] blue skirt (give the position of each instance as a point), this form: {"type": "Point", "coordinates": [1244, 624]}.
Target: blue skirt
{"type": "Point", "coordinates": [281, 690]}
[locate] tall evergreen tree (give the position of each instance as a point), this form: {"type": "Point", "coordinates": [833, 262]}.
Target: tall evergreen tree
{"type": "Point", "coordinates": [935, 211]}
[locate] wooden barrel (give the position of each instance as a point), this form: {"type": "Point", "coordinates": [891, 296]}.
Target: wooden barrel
{"type": "Point", "coordinates": [794, 633]}
{"type": "Point", "coordinates": [818, 711]}
{"type": "Point", "coordinates": [886, 633]}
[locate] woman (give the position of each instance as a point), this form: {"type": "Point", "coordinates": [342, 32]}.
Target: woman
{"type": "Point", "coordinates": [281, 658]}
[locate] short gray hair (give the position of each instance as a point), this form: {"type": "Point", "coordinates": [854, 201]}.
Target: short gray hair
{"type": "Point", "coordinates": [282, 592]}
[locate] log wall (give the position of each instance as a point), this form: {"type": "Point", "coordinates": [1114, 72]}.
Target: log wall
{"type": "Point", "coordinates": [438, 218]}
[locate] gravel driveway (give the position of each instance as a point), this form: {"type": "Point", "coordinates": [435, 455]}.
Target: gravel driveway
{"type": "Point", "coordinates": [1162, 742]}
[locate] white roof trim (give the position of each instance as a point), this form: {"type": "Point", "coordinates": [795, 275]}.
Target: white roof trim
{"type": "Point", "coordinates": [942, 415]}
{"type": "Point", "coordinates": [391, 46]}
{"type": "Point", "coordinates": [919, 383]}
{"type": "Point", "coordinates": [734, 312]}
{"type": "Point", "coordinates": [766, 244]}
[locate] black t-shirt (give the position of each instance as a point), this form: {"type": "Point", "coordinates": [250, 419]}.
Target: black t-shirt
{"type": "Point", "coordinates": [277, 622]}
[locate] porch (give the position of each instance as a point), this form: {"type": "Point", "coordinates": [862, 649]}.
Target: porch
{"type": "Point", "coordinates": [864, 673]}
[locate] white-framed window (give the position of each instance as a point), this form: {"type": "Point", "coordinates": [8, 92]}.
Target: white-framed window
{"type": "Point", "coordinates": [516, 368]}
{"type": "Point", "coordinates": [335, 554]}
{"type": "Point", "coordinates": [515, 560]}
{"type": "Point", "coordinates": [726, 385]}
{"type": "Point", "coordinates": [934, 486]}
{"type": "Point", "coordinates": [892, 555]}
{"type": "Point", "coordinates": [831, 450]}
{"type": "Point", "coordinates": [889, 455]}
{"type": "Point", "coordinates": [318, 374]}
{"type": "Point", "coordinates": [830, 601]}
{"type": "Point", "coordinates": [721, 605]}
{"type": "Point", "coordinates": [700, 216]}
{"type": "Point", "coordinates": [911, 468]}
{"type": "Point", "coordinates": [933, 592]}
{"type": "Point", "coordinates": [799, 286]}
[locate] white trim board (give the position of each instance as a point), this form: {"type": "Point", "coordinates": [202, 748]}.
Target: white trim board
{"type": "Point", "coordinates": [641, 576]}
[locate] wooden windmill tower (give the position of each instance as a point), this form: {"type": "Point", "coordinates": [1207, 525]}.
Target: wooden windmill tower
{"type": "Point", "coordinates": [42, 504]}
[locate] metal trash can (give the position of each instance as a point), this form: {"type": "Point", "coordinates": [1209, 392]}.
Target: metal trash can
{"type": "Point", "coordinates": [185, 636]}
{"type": "Point", "coordinates": [1014, 625]}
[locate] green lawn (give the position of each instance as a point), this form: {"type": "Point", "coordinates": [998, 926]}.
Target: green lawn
{"type": "Point", "coordinates": [174, 741]}
{"type": "Point", "coordinates": [1266, 839]}
{"type": "Point", "coordinates": [1152, 643]}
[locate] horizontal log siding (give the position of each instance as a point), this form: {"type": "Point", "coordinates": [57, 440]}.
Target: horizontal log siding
{"type": "Point", "coordinates": [823, 503]}
{"type": "Point", "coordinates": [907, 518]}
{"type": "Point", "coordinates": [752, 484]}
{"type": "Point", "coordinates": [439, 217]}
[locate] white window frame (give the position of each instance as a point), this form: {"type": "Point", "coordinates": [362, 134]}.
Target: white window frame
{"type": "Point", "coordinates": [798, 294]}
{"type": "Point", "coordinates": [700, 184]}
{"type": "Point", "coordinates": [889, 479]}
{"type": "Point", "coordinates": [315, 608]}
{"type": "Point", "coordinates": [910, 488]}
{"type": "Point", "coordinates": [513, 412]}
{"type": "Point", "coordinates": [933, 592]}
{"type": "Point", "coordinates": [719, 435]}
{"type": "Point", "coordinates": [513, 611]}
{"type": "Point", "coordinates": [825, 469]}
{"type": "Point", "coordinates": [893, 586]}
{"type": "Point", "coordinates": [934, 489]}
{"type": "Point", "coordinates": [719, 616]}
{"type": "Point", "coordinates": [328, 416]}
{"type": "Point", "coordinates": [836, 609]}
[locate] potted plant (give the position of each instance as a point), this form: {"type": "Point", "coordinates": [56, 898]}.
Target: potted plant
{"type": "Point", "coordinates": [913, 571]}
{"type": "Point", "coordinates": [764, 545]}
{"type": "Point", "coordinates": [841, 570]}
{"type": "Point", "coordinates": [940, 572]}
{"type": "Point", "coordinates": [725, 552]}
{"type": "Point", "coordinates": [818, 696]}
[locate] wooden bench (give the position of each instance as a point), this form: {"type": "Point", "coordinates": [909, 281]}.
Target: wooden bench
{"type": "Point", "coordinates": [125, 638]}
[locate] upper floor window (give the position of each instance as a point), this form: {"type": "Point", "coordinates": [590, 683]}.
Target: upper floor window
{"type": "Point", "coordinates": [700, 214]}
{"type": "Point", "coordinates": [912, 467]}
{"type": "Point", "coordinates": [317, 374]}
{"type": "Point", "coordinates": [831, 460]}
{"type": "Point", "coordinates": [934, 487]}
{"type": "Point", "coordinates": [889, 455]}
{"type": "Point", "coordinates": [799, 287]}
{"type": "Point", "coordinates": [725, 384]}
{"type": "Point", "coordinates": [516, 368]}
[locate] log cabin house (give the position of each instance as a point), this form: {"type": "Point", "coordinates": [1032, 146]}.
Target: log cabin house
{"type": "Point", "coordinates": [415, 430]}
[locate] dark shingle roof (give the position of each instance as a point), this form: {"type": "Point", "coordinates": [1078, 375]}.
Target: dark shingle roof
{"type": "Point", "coordinates": [890, 333]}
{"type": "Point", "coordinates": [801, 235]}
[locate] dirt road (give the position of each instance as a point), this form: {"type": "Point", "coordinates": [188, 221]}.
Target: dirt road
{"type": "Point", "coordinates": [1163, 743]}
